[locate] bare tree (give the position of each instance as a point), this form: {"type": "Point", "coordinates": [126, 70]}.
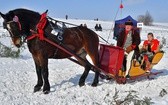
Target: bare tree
{"type": "Point", "coordinates": [147, 19]}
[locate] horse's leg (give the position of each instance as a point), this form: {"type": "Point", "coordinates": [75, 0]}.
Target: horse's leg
{"type": "Point", "coordinates": [39, 78]}
{"type": "Point", "coordinates": [39, 84]}
{"type": "Point", "coordinates": [97, 73]}
{"type": "Point", "coordinates": [86, 66]}
{"type": "Point", "coordinates": [93, 53]}
{"type": "Point", "coordinates": [44, 72]}
{"type": "Point", "coordinates": [41, 64]}
{"type": "Point", "coordinates": [84, 76]}
{"type": "Point", "coordinates": [96, 79]}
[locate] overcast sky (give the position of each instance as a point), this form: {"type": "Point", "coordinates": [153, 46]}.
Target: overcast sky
{"type": "Point", "coordinates": [91, 9]}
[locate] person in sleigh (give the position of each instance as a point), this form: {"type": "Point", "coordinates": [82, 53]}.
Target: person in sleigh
{"type": "Point", "coordinates": [150, 47]}
{"type": "Point", "coordinates": [129, 40]}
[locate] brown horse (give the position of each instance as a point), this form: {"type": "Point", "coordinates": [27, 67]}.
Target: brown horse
{"type": "Point", "coordinates": [79, 40]}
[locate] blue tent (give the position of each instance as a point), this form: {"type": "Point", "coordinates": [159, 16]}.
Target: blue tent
{"type": "Point", "coordinates": [119, 25]}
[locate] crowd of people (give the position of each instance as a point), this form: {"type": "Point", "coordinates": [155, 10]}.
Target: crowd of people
{"type": "Point", "coordinates": [84, 25]}
{"type": "Point", "coordinates": [98, 27]}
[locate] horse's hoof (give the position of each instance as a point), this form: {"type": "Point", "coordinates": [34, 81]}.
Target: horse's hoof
{"type": "Point", "coordinates": [81, 84]}
{"type": "Point", "coordinates": [94, 84]}
{"type": "Point", "coordinates": [46, 91]}
{"type": "Point", "coordinates": [36, 89]}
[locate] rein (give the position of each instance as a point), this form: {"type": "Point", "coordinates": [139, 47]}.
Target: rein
{"type": "Point", "coordinates": [74, 25]}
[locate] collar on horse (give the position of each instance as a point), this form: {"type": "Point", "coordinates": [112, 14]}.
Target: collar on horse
{"type": "Point", "coordinates": [40, 28]}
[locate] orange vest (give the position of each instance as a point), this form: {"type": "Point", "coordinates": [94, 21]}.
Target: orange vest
{"type": "Point", "coordinates": [154, 44]}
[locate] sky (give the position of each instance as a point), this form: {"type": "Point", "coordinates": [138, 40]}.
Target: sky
{"type": "Point", "coordinates": [92, 9]}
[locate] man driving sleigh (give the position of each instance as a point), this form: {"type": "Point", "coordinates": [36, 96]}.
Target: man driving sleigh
{"type": "Point", "coordinates": [129, 40]}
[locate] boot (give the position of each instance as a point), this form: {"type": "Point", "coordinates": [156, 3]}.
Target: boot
{"type": "Point", "coordinates": [147, 69]}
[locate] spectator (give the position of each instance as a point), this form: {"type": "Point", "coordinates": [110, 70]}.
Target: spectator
{"type": "Point", "coordinates": [66, 17]}
{"type": "Point", "coordinates": [81, 25]}
{"type": "Point", "coordinates": [100, 27]}
{"type": "Point", "coordinates": [85, 25]}
{"type": "Point", "coordinates": [97, 27]}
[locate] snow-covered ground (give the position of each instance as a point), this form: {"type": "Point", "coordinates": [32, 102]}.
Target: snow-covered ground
{"type": "Point", "coordinates": [18, 77]}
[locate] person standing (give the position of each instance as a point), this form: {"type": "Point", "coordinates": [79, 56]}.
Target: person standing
{"type": "Point", "coordinates": [66, 17]}
{"type": "Point", "coordinates": [129, 40]}
{"type": "Point", "coordinates": [100, 27]}
{"type": "Point", "coordinates": [96, 27]}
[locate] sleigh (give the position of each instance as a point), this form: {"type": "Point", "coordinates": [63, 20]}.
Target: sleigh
{"type": "Point", "coordinates": [111, 59]}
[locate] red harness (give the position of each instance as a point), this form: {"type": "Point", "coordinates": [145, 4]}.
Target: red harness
{"type": "Point", "coordinates": [40, 28]}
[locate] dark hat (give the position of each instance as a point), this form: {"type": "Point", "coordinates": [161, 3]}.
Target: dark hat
{"type": "Point", "coordinates": [129, 22]}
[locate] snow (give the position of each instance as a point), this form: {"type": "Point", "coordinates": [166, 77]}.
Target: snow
{"type": "Point", "coordinates": [18, 77]}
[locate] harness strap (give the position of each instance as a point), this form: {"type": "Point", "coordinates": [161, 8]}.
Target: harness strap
{"type": "Point", "coordinates": [40, 28]}
{"type": "Point", "coordinates": [16, 19]}
{"type": "Point", "coordinates": [32, 37]}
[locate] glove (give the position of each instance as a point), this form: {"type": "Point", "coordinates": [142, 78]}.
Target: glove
{"type": "Point", "coordinates": [143, 50]}
{"type": "Point", "coordinates": [129, 49]}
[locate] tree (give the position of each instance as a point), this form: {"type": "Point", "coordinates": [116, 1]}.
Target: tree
{"type": "Point", "coordinates": [141, 18]}
{"type": "Point", "coordinates": [147, 19]}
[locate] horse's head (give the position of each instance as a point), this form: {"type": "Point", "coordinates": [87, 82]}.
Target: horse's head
{"type": "Point", "coordinates": [18, 23]}
{"type": "Point", "coordinates": [12, 24]}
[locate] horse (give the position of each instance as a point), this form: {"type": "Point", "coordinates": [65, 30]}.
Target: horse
{"type": "Point", "coordinates": [20, 23]}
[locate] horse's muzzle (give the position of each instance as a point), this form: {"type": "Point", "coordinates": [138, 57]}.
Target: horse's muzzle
{"type": "Point", "coordinates": [17, 42]}
{"type": "Point", "coordinates": [18, 45]}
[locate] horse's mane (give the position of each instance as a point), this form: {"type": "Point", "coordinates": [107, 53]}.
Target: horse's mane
{"type": "Point", "coordinates": [23, 13]}
{"type": "Point", "coordinates": [22, 10]}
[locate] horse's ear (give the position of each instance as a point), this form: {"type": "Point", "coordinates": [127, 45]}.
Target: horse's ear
{"type": "Point", "coordinates": [46, 11]}
{"type": "Point", "coordinates": [2, 15]}
{"type": "Point", "coordinates": [11, 14]}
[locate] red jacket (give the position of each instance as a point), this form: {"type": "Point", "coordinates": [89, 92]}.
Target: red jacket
{"type": "Point", "coordinates": [154, 44]}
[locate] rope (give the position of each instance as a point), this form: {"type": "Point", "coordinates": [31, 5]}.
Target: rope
{"type": "Point", "coordinates": [112, 26]}
{"type": "Point", "coordinates": [72, 25]}
{"type": "Point", "coordinates": [61, 21]}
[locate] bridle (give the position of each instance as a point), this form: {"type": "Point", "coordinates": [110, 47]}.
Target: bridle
{"type": "Point", "coordinates": [22, 36]}
{"type": "Point", "coordinates": [39, 32]}
{"type": "Point", "coordinates": [8, 27]}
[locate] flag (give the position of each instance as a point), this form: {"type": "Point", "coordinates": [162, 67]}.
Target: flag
{"type": "Point", "coordinates": [121, 6]}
